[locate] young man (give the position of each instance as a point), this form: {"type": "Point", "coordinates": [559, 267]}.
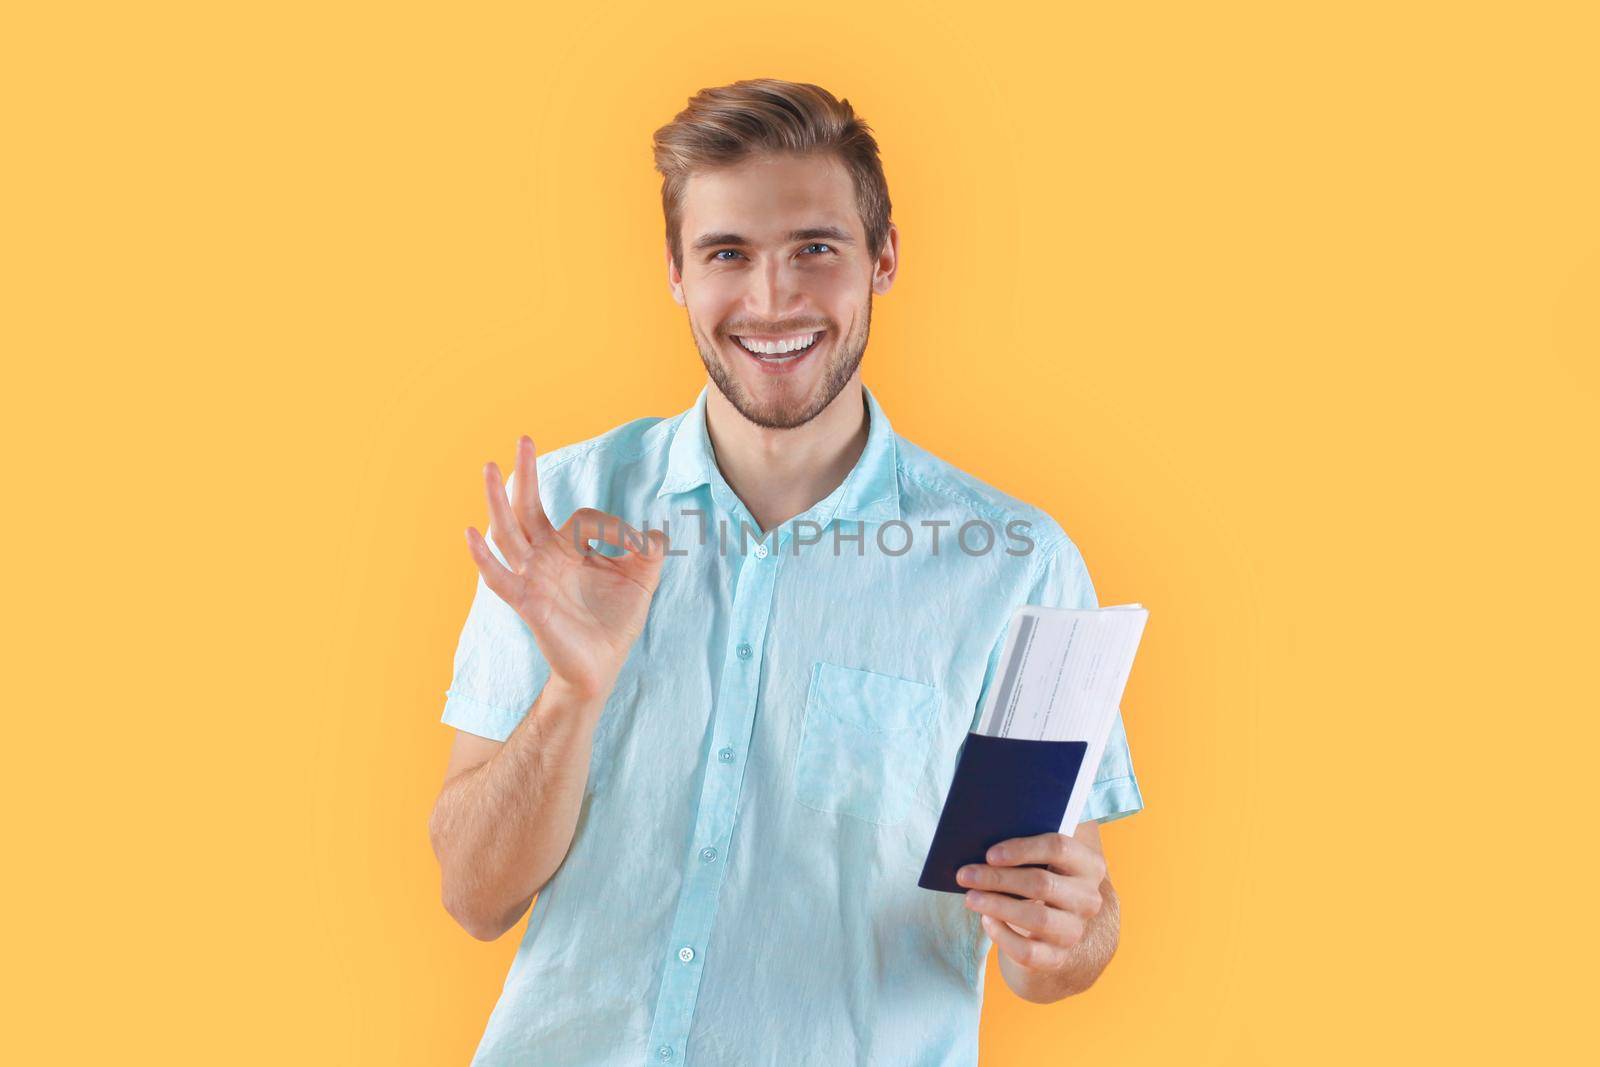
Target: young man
{"type": "Point", "coordinates": [717, 757]}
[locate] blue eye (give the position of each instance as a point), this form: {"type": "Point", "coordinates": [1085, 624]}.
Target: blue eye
{"type": "Point", "coordinates": [716, 257]}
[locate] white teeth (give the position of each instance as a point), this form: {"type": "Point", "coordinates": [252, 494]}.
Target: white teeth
{"type": "Point", "coordinates": [778, 348]}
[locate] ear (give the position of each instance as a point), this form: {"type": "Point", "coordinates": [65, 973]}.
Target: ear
{"type": "Point", "coordinates": [674, 275]}
{"type": "Point", "coordinates": [887, 264]}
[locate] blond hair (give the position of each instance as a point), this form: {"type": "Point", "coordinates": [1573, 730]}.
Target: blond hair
{"type": "Point", "coordinates": [727, 124]}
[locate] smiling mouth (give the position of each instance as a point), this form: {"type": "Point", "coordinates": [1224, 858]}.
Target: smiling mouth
{"type": "Point", "coordinates": [779, 350]}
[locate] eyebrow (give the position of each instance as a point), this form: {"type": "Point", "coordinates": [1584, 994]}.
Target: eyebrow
{"type": "Point", "coordinates": [813, 233]}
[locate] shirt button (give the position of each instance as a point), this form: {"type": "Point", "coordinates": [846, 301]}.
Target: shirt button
{"type": "Point", "coordinates": [761, 551]}
{"type": "Point", "coordinates": [725, 755]}
{"type": "Point", "coordinates": [664, 1052]}
{"type": "Point", "coordinates": [686, 953]}
{"type": "Point", "coordinates": [707, 854]}
{"type": "Point", "coordinates": [744, 650]}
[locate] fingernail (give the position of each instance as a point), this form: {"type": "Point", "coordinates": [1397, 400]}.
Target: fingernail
{"type": "Point", "coordinates": [998, 855]}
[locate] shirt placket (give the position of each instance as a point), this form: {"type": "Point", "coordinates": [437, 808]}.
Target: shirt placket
{"type": "Point", "coordinates": [707, 856]}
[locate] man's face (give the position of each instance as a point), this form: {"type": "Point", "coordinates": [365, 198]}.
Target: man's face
{"type": "Point", "coordinates": [775, 258]}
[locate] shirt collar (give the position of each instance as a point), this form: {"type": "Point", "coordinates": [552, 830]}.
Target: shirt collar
{"type": "Point", "coordinates": [870, 493]}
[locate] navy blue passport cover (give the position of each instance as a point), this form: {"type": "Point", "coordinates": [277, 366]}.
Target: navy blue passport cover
{"type": "Point", "coordinates": [1003, 787]}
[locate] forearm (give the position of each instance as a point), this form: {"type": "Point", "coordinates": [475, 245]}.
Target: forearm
{"type": "Point", "coordinates": [1086, 960]}
{"type": "Point", "coordinates": [502, 829]}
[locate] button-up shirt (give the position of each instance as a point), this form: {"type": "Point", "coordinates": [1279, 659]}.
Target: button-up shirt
{"type": "Point", "coordinates": [768, 770]}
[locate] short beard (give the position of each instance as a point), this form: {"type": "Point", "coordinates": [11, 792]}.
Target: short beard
{"type": "Point", "coordinates": [847, 358]}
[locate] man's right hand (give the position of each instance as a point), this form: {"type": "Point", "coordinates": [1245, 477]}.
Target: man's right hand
{"type": "Point", "coordinates": [585, 609]}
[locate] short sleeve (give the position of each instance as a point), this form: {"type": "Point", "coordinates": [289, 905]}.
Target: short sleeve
{"type": "Point", "coordinates": [499, 669]}
{"type": "Point", "coordinates": [1064, 582]}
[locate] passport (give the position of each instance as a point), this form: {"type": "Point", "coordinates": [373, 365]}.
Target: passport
{"type": "Point", "coordinates": [1004, 787]}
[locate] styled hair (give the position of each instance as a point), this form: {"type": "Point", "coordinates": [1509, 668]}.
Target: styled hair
{"type": "Point", "coordinates": [761, 116]}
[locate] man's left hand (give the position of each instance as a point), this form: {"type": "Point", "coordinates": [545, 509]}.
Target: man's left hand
{"type": "Point", "coordinates": [1035, 915]}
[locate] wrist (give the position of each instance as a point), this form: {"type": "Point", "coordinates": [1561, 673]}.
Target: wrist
{"type": "Point", "coordinates": [590, 694]}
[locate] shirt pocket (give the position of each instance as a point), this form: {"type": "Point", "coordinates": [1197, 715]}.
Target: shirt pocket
{"type": "Point", "coordinates": [863, 743]}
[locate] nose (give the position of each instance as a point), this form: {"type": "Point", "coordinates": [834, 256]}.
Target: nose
{"type": "Point", "coordinates": [772, 293]}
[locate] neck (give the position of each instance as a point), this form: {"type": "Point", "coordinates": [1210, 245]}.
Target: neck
{"type": "Point", "coordinates": [778, 474]}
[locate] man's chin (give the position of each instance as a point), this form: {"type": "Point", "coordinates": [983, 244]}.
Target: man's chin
{"type": "Point", "coordinates": [776, 412]}
{"type": "Point", "coordinates": [777, 402]}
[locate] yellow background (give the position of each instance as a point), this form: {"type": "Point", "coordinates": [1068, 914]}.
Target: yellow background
{"type": "Point", "coordinates": [1287, 312]}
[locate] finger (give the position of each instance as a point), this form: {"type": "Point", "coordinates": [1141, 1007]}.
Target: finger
{"type": "Point", "coordinates": [503, 526]}
{"type": "Point", "coordinates": [643, 564]}
{"type": "Point", "coordinates": [1035, 883]}
{"type": "Point", "coordinates": [525, 493]}
{"type": "Point", "coordinates": [1058, 851]}
{"type": "Point", "coordinates": [1034, 917]}
{"type": "Point", "coordinates": [592, 524]}
{"type": "Point", "coordinates": [654, 549]}
{"type": "Point", "coordinates": [504, 584]}
{"type": "Point", "coordinates": [1035, 955]}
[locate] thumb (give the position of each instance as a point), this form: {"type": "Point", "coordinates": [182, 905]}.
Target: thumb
{"type": "Point", "coordinates": [649, 556]}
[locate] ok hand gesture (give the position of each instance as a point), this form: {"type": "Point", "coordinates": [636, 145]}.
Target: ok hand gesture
{"type": "Point", "coordinates": [585, 609]}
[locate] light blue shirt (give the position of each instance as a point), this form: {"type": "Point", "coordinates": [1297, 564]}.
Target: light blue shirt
{"type": "Point", "coordinates": [767, 773]}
